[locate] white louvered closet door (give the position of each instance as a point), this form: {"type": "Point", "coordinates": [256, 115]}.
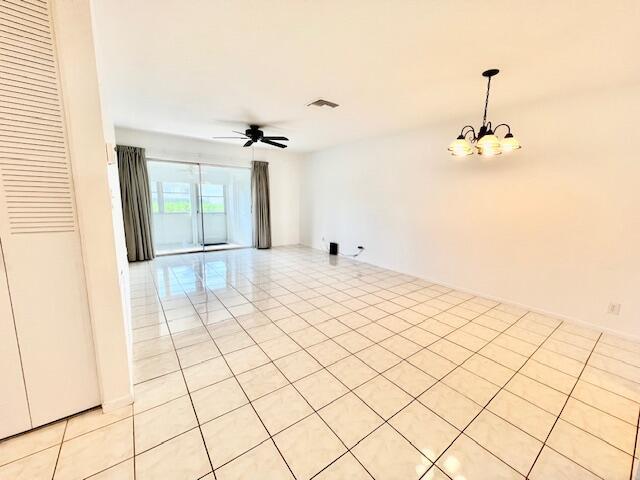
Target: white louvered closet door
{"type": "Point", "coordinates": [13, 400]}
{"type": "Point", "coordinates": [38, 225]}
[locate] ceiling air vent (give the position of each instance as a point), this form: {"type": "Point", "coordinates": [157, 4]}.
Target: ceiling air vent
{"type": "Point", "coordinates": [323, 103]}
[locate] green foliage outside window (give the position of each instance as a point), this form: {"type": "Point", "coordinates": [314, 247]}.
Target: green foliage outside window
{"type": "Point", "coordinates": [175, 197]}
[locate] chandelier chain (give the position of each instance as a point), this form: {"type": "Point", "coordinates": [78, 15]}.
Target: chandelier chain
{"type": "Point", "coordinates": [486, 103]}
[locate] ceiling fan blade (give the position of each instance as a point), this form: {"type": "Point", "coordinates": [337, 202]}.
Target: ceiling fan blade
{"type": "Point", "coordinates": [248, 144]}
{"type": "Point", "coordinates": [241, 133]}
{"type": "Point", "coordinates": [231, 137]}
{"type": "Point", "coordinates": [275, 144]}
{"type": "Point", "coordinates": [277, 138]}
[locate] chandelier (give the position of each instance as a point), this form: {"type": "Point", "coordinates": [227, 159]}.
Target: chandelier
{"type": "Point", "coordinates": [486, 142]}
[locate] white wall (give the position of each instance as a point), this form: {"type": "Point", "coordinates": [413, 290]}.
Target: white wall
{"type": "Point", "coordinates": [108, 128]}
{"type": "Point", "coordinates": [284, 168]}
{"type": "Point", "coordinates": [555, 226]}
{"type": "Point", "coordinates": [120, 243]}
{"type": "Point", "coordinates": [99, 231]}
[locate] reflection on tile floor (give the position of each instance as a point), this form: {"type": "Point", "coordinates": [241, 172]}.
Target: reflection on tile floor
{"type": "Point", "coordinates": [288, 364]}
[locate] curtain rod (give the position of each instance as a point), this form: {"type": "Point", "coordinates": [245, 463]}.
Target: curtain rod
{"type": "Point", "coordinates": [176, 160]}
{"type": "Point", "coordinates": [192, 157]}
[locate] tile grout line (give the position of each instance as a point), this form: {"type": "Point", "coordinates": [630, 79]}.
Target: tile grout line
{"type": "Point", "coordinates": [484, 407]}
{"type": "Point", "coordinates": [332, 339]}
{"type": "Point", "coordinates": [249, 403]}
{"type": "Point", "coordinates": [377, 375]}
{"type": "Point", "coordinates": [414, 399]}
{"type": "Point", "coordinates": [108, 468]}
{"type": "Point", "coordinates": [635, 449]}
{"type": "Point", "coordinates": [18, 435]}
{"type": "Point", "coordinates": [296, 389]}
{"type": "Point", "coordinates": [55, 467]}
{"type": "Point", "coordinates": [397, 333]}
{"type": "Point", "coordinates": [560, 413]}
{"type": "Point", "coordinates": [349, 390]}
{"type": "Point", "coordinates": [206, 449]}
{"type": "Point", "coordinates": [462, 301]}
{"type": "Point", "coordinates": [618, 376]}
{"type": "Point", "coordinates": [379, 343]}
{"type": "Point", "coordinates": [290, 383]}
{"type": "Point", "coordinates": [505, 332]}
{"type": "Point", "coordinates": [477, 352]}
{"type": "Point", "coordinates": [467, 321]}
{"type": "Point", "coordinates": [66, 419]}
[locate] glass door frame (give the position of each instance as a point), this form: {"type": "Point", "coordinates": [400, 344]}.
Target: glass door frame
{"type": "Point", "coordinates": [197, 193]}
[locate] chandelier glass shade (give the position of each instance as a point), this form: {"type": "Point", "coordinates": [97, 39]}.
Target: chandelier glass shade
{"type": "Point", "coordinates": [460, 147]}
{"type": "Point", "coordinates": [509, 143]}
{"type": "Point", "coordinates": [485, 139]}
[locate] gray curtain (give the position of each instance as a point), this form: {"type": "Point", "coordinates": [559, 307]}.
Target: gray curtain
{"type": "Point", "coordinates": [260, 205]}
{"type": "Point", "coordinates": [136, 202]}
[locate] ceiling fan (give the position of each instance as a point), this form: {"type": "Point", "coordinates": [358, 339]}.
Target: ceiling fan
{"type": "Point", "coordinates": [253, 134]}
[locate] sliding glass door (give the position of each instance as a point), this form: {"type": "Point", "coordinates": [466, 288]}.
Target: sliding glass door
{"type": "Point", "coordinates": [174, 206]}
{"type": "Point", "coordinates": [199, 207]}
{"type": "Point", "coordinates": [226, 205]}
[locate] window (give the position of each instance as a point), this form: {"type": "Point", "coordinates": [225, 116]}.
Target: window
{"type": "Point", "coordinates": [155, 203]}
{"type": "Point", "coordinates": [212, 198]}
{"type": "Point", "coordinates": [176, 197]}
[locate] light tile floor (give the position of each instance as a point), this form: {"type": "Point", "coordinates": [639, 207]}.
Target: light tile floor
{"type": "Point", "coordinates": [288, 364]}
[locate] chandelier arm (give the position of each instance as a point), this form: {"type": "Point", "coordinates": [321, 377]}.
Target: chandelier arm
{"type": "Point", "coordinates": [473, 134]}
{"type": "Point", "coordinates": [503, 125]}
{"type": "Point", "coordinates": [471, 129]}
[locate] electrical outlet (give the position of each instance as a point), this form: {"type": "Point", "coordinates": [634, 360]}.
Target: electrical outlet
{"type": "Point", "coordinates": [614, 309]}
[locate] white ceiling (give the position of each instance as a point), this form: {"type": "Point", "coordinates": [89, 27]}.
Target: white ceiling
{"type": "Point", "coordinates": [201, 68]}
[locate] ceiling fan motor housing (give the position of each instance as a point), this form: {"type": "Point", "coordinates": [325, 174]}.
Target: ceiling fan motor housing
{"type": "Point", "coordinates": [254, 133]}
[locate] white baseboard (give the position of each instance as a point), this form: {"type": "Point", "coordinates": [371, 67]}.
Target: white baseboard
{"type": "Point", "coordinates": [541, 311]}
{"type": "Point", "coordinates": [115, 404]}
